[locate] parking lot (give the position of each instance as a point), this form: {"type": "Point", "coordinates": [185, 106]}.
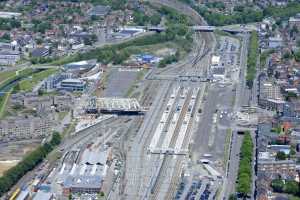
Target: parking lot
{"type": "Point", "coordinates": [119, 82]}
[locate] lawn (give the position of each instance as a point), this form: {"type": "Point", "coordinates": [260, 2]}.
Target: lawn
{"type": "Point", "coordinates": [7, 74]}
{"type": "Point", "coordinates": [3, 102]}
{"type": "Point", "coordinates": [28, 84]}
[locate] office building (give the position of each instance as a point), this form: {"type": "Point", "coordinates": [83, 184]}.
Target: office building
{"type": "Point", "coordinates": [72, 85]}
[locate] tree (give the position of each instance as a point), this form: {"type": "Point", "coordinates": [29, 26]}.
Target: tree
{"type": "Point", "coordinates": [294, 31]}
{"type": "Point", "coordinates": [280, 155]}
{"type": "Point", "coordinates": [87, 41]}
{"type": "Point", "coordinates": [39, 41]}
{"type": "Point", "coordinates": [94, 38]}
{"type": "Point", "coordinates": [277, 185]}
{"type": "Point", "coordinates": [56, 138]}
{"type": "Point", "coordinates": [291, 187]}
{"type": "Point", "coordinates": [292, 152]}
{"type": "Point", "coordinates": [5, 38]}
{"type": "Point", "coordinates": [287, 55]}
{"type": "Point", "coordinates": [16, 88]}
{"type": "Point", "coordinates": [297, 56]}
{"type": "Point", "coordinates": [155, 19]}
{"type": "Point", "coordinates": [232, 197]}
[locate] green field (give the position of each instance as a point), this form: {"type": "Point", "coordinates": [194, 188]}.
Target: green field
{"type": "Point", "coordinates": [3, 102]}
{"type": "Point", "coordinates": [6, 75]}
{"type": "Point", "coordinates": [28, 84]}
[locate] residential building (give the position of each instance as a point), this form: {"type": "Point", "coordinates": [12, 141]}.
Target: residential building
{"type": "Point", "coordinates": [295, 21]}
{"type": "Point", "coordinates": [276, 166]}
{"type": "Point", "coordinates": [25, 128]}
{"type": "Point", "coordinates": [8, 15]}
{"type": "Point", "coordinates": [275, 42]}
{"type": "Point", "coordinates": [40, 52]}
{"type": "Point", "coordinates": [9, 57]}
{"type": "Point", "coordinates": [270, 96]}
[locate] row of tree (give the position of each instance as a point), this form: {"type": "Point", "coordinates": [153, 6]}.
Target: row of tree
{"type": "Point", "coordinates": [245, 166]}
{"type": "Point", "coordinates": [8, 24]}
{"type": "Point", "coordinates": [118, 53]}
{"type": "Point", "coordinates": [252, 58]}
{"type": "Point", "coordinates": [13, 175]}
{"type": "Point", "coordinates": [114, 4]}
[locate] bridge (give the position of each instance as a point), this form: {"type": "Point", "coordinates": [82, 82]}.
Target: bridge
{"type": "Point", "coordinates": [44, 67]}
{"type": "Point", "coordinates": [121, 106]}
{"type": "Point", "coordinates": [204, 29]}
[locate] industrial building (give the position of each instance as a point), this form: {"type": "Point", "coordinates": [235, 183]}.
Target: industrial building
{"type": "Point", "coordinates": [82, 184]}
{"type": "Point", "coordinates": [84, 171]}
{"type": "Point", "coordinates": [41, 195]}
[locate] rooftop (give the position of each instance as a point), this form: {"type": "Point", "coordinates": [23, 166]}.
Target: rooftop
{"type": "Point", "coordinates": [218, 70]}
{"type": "Point", "coordinates": [72, 80]}
{"type": "Point", "coordinates": [94, 157]}
{"type": "Point", "coordinates": [41, 195]}
{"type": "Point", "coordinates": [83, 182]}
{"type": "Point", "coordinates": [4, 14]}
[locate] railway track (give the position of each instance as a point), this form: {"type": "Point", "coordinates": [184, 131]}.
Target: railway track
{"type": "Point", "coordinates": [202, 49]}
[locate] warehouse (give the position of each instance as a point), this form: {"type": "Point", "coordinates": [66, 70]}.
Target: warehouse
{"type": "Point", "coordinates": [84, 171]}
{"type": "Point", "coordinates": [82, 184]}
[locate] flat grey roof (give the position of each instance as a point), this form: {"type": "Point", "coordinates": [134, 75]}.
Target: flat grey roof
{"type": "Point", "coordinates": [41, 195]}
{"type": "Point", "coordinates": [83, 182]}
{"type": "Point", "coordinates": [218, 70]}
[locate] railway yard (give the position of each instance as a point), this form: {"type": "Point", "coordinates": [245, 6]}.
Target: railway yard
{"type": "Point", "coordinates": [180, 140]}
